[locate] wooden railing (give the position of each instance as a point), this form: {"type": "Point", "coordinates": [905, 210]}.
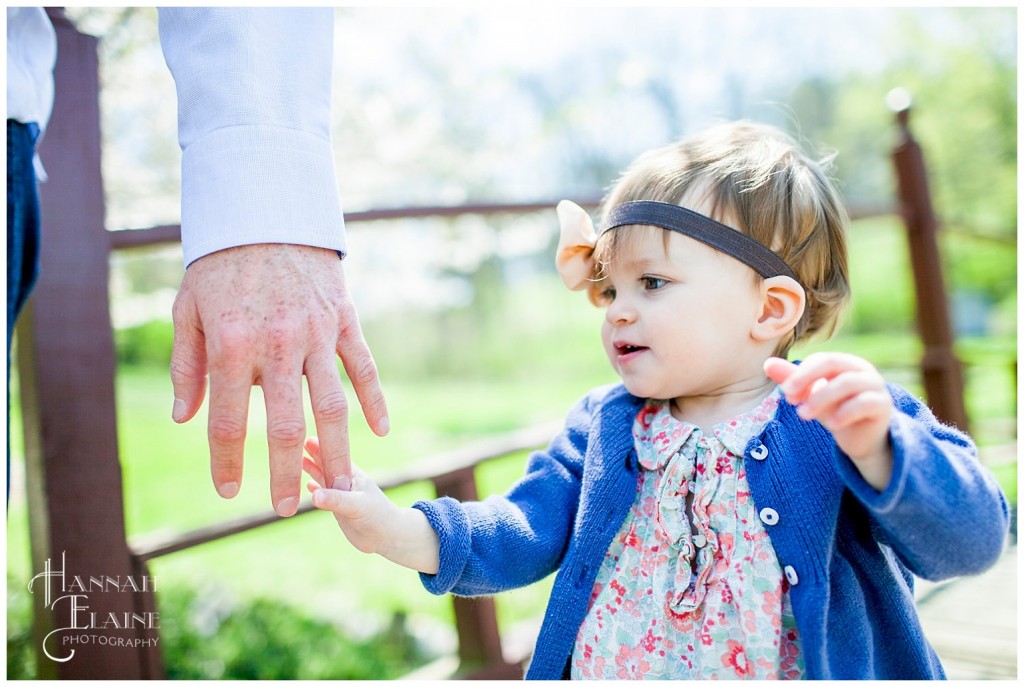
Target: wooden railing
{"type": "Point", "coordinates": [67, 366]}
{"type": "Point", "coordinates": [480, 651]}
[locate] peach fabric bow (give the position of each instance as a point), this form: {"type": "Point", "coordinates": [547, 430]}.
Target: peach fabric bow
{"type": "Point", "coordinates": [575, 256]}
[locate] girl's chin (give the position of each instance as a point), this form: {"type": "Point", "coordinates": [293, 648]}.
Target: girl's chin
{"type": "Point", "coordinates": [641, 390]}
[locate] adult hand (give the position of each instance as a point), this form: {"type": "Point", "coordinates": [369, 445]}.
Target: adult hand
{"type": "Point", "coordinates": [266, 315]}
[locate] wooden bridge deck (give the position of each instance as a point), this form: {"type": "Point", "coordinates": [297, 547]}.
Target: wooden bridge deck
{"type": "Point", "coordinates": [972, 622]}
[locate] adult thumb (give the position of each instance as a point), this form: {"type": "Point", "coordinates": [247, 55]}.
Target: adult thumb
{"type": "Point", "coordinates": [188, 368]}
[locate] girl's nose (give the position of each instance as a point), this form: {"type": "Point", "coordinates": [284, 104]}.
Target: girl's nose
{"type": "Point", "coordinates": [620, 312]}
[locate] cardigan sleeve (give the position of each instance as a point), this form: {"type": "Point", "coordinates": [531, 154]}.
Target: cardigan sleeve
{"type": "Point", "coordinates": [515, 539]}
{"type": "Point", "coordinates": [254, 103]}
{"type": "Point", "coordinates": [942, 512]}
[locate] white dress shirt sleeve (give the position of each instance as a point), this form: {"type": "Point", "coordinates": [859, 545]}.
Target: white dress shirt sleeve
{"type": "Point", "coordinates": [31, 54]}
{"type": "Point", "coordinates": [254, 104]}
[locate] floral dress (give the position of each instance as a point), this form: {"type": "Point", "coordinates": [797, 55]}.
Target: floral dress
{"type": "Point", "coordinates": [690, 587]}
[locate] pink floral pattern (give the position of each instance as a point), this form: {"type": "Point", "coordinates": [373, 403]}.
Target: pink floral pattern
{"type": "Point", "coordinates": [690, 587]}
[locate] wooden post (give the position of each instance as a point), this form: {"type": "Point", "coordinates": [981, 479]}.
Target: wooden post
{"type": "Point", "coordinates": [476, 619]}
{"type": "Point", "coordinates": [87, 588]}
{"type": "Point", "coordinates": [940, 369]}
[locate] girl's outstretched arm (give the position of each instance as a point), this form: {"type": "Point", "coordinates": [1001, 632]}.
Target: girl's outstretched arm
{"type": "Point", "coordinates": [369, 520]}
{"type": "Point", "coordinates": [939, 509]}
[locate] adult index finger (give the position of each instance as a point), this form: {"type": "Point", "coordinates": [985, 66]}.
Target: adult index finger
{"type": "Point", "coordinates": [362, 371]}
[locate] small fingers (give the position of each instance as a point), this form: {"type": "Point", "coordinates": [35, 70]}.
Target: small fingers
{"type": "Point", "coordinates": [825, 396]}
{"type": "Point", "coordinates": [326, 499]}
{"type": "Point", "coordinates": [337, 501]}
{"type": "Point", "coordinates": [778, 369]}
{"type": "Point", "coordinates": [312, 447]}
{"type": "Point", "coordinates": [800, 383]}
{"type": "Point", "coordinates": [313, 470]}
{"type": "Point", "coordinates": [869, 405]}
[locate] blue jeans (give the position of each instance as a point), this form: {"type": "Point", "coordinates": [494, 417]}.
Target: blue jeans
{"type": "Point", "coordinates": [22, 237]}
{"type": "Point", "coordinates": [22, 219]}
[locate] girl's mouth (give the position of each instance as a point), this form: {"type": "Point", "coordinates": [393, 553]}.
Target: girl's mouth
{"type": "Point", "coordinates": [627, 349]}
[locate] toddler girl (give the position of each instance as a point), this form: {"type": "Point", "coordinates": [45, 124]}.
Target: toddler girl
{"type": "Point", "coordinates": [722, 513]}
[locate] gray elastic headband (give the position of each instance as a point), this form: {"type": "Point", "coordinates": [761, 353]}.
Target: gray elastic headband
{"type": "Point", "coordinates": [700, 228]}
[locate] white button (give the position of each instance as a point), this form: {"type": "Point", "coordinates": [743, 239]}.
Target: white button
{"type": "Point", "coordinates": [791, 575]}
{"type": "Point", "coordinates": [769, 516]}
{"type": "Point", "coordinates": [760, 453]}
{"type": "Point", "coordinates": [700, 541]}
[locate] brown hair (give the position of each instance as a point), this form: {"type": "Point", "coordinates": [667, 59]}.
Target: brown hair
{"type": "Point", "coordinates": [759, 182]}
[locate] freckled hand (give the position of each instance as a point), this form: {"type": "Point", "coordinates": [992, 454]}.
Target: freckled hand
{"type": "Point", "coordinates": [265, 315]}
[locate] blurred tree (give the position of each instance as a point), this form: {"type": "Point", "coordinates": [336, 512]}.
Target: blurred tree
{"type": "Point", "coordinates": [963, 84]}
{"type": "Point", "coordinates": [960, 69]}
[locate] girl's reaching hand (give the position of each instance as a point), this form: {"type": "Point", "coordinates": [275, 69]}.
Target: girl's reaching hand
{"type": "Point", "coordinates": [368, 518]}
{"type": "Point", "coordinates": [848, 396]}
{"type": "Point", "coordinates": [362, 510]}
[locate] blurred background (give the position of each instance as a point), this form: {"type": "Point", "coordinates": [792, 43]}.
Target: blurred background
{"type": "Point", "coordinates": [471, 329]}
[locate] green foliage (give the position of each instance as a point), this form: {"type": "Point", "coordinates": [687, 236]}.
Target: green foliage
{"type": "Point", "coordinates": [21, 658]}
{"type": "Point", "coordinates": [205, 638]}
{"type": "Point", "coordinates": [963, 87]}
{"type": "Point", "coordinates": [987, 267]}
{"type": "Point", "coordinates": [264, 639]}
{"type": "Point", "coordinates": [960, 70]}
{"type": "Point", "coordinates": [1006, 475]}
{"type": "Point", "coordinates": [147, 344]}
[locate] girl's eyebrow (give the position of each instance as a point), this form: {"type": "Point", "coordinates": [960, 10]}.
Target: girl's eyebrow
{"type": "Point", "coordinates": [638, 263]}
{"type": "Point", "coordinates": [644, 263]}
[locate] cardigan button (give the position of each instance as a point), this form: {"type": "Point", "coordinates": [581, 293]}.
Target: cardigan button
{"type": "Point", "coordinates": [769, 516]}
{"type": "Point", "coordinates": [791, 575]}
{"type": "Point", "coordinates": [760, 452]}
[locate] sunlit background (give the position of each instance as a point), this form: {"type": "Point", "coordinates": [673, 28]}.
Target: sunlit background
{"type": "Point", "coordinates": [471, 328]}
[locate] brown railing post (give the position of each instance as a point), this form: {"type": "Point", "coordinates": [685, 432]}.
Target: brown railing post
{"type": "Point", "coordinates": [476, 619]}
{"type": "Point", "coordinates": [940, 369]}
{"type": "Point", "coordinates": [86, 590]}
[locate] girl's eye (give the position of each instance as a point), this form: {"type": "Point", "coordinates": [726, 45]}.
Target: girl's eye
{"type": "Point", "coordinates": [653, 283]}
{"type": "Point", "coordinates": [606, 295]}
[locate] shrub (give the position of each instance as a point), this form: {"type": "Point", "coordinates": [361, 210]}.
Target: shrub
{"type": "Point", "coordinates": [206, 637]}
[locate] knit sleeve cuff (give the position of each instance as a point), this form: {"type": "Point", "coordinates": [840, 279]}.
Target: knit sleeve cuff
{"type": "Point", "coordinates": [244, 185]}
{"type": "Point", "coordinates": [886, 500]}
{"type": "Point", "coordinates": [448, 518]}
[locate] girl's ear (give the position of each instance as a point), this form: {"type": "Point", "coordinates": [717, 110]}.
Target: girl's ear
{"type": "Point", "coordinates": [782, 305]}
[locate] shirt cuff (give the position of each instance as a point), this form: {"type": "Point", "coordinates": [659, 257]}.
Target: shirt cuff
{"type": "Point", "coordinates": [884, 501]}
{"type": "Point", "coordinates": [243, 185]}
{"type": "Point", "coordinates": [448, 518]}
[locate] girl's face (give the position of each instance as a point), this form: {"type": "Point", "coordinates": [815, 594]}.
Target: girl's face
{"type": "Point", "coordinates": [678, 320]}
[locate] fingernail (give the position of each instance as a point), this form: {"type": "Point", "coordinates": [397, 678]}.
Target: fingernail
{"type": "Point", "coordinates": [342, 483]}
{"type": "Point", "coordinates": [287, 507]}
{"type": "Point", "coordinates": [228, 490]}
{"type": "Point", "coordinates": [384, 426]}
{"type": "Point", "coordinates": [803, 412]}
{"type": "Point", "coordinates": [178, 411]}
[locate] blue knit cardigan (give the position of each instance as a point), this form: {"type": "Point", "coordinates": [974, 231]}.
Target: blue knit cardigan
{"type": "Point", "coordinates": [854, 551]}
